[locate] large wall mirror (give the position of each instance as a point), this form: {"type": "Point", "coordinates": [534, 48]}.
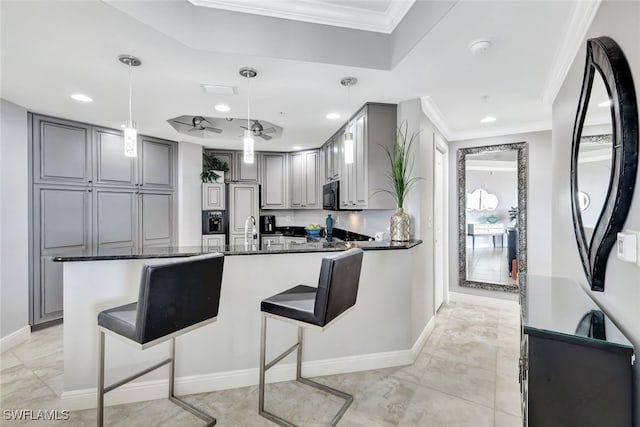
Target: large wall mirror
{"type": "Point", "coordinates": [604, 155]}
{"type": "Point", "coordinates": [492, 209]}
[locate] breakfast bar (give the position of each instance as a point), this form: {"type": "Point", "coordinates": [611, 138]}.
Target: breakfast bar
{"type": "Point", "coordinates": [387, 326]}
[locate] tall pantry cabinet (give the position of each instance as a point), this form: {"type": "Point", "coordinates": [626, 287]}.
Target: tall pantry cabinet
{"type": "Point", "coordinates": [86, 195]}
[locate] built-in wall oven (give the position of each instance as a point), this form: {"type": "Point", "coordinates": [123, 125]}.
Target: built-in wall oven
{"type": "Point", "coordinates": [331, 196]}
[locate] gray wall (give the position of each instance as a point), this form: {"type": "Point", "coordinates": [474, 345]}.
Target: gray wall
{"type": "Point", "coordinates": [14, 250]}
{"type": "Point", "coordinates": [539, 203]}
{"type": "Point", "coordinates": [618, 20]}
{"type": "Point", "coordinates": [189, 194]}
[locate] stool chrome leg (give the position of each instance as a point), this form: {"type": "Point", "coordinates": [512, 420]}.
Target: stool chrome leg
{"type": "Point", "coordinates": [100, 406]}
{"type": "Point", "coordinates": [265, 366]}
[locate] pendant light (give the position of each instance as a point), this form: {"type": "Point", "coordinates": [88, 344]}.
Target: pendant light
{"type": "Point", "coordinates": [348, 135]}
{"type": "Point", "coordinates": [130, 132]}
{"type": "Point", "coordinates": [248, 148]}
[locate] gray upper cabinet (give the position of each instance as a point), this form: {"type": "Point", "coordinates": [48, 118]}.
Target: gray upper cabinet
{"type": "Point", "coordinates": [62, 222]}
{"type": "Point", "coordinates": [112, 168]}
{"type": "Point", "coordinates": [156, 219]}
{"type": "Point", "coordinates": [373, 128]}
{"type": "Point", "coordinates": [157, 163]}
{"type": "Point", "coordinates": [213, 196]}
{"type": "Point", "coordinates": [239, 171]}
{"type": "Point", "coordinates": [305, 179]}
{"type": "Point", "coordinates": [115, 219]}
{"type": "Point", "coordinates": [243, 202]}
{"type": "Point", "coordinates": [62, 151]}
{"type": "Point", "coordinates": [274, 181]}
{"type": "Point", "coordinates": [332, 157]}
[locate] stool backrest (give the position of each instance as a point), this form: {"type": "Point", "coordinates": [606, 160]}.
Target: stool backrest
{"type": "Point", "coordinates": [338, 284]}
{"type": "Point", "coordinates": [178, 294]}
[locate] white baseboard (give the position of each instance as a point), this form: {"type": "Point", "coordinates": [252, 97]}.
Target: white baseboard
{"type": "Point", "coordinates": [15, 338]}
{"type": "Point", "coordinates": [150, 390]}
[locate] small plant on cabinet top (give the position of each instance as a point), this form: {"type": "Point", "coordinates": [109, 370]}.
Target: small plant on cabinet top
{"type": "Point", "coordinates": [401, 162]}
{"type": "Point", "coordinates": [210, 166]}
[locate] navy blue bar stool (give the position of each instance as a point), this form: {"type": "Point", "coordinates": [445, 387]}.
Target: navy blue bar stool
{"type": "Point", "coordinates": [310, 307]}
{"type": "Point", "coordinates": [175, 297]}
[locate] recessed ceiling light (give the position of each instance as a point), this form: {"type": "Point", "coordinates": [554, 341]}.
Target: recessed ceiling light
{"type": "Point", "coordinates": [80, 97]}
{"type": "Point", "coordinates": [296, 147]}
{"type": "Point", "coordinates": [606, 103]}
{"type": "Point", "coordinates": [333, 116]}
{"type": "Point", "coordinates": [488, 119]}
{"type": "Point", "coordinates": [222, 107]}
{"type": "Point", "coordinates": [478, 47]}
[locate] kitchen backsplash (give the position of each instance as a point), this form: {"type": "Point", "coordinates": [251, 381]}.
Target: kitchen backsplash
{"type": "Point", "coordinates": [364, 222]}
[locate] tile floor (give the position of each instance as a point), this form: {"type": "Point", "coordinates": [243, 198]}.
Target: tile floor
{"type": "Point", "coordinates": [488, 265]}
{"type": "Point", "coordinates": [466, 375]}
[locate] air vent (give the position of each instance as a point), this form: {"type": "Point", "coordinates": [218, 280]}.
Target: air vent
{"type": "Point", "coordinates": [219, 90]}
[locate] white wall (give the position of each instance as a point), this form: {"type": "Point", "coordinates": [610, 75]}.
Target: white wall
{"type": "Point", "coordinates": [14, 219]}
{"type": "Point", "coordinates": [618, 20]}
{"type": "Point", "coordinates": [189, 194]}
{"type": "Point", "coordinates": [539, 204]}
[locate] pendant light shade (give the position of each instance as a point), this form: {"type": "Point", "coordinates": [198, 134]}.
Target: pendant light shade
{"type": "Point", "coordinates": [248, 146]}
{"type": "Point", "coordinates": [348, 136]}
{"type": "Point", "coordinates": [130, 132]}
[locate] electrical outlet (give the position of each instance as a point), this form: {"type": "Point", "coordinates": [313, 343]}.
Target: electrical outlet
{"type": "Point", "coordinates": [627, 246]}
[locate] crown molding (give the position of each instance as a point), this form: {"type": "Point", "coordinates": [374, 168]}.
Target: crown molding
{"type": "Point", "coordinates": [574, 34]}
{"type": "Point", "coordinates": [317, 12]}
{"type": "Point", "coordinates": [431, 110]}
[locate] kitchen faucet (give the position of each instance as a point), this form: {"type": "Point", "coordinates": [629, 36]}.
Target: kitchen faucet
{"type": "Point", "coordinates": [254, 232]}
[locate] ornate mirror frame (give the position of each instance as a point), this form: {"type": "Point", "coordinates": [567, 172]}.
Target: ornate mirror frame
{"type": "Point", "coordinates": [605, 56]}
{"type": "Point", "coordinates": [523, 184]}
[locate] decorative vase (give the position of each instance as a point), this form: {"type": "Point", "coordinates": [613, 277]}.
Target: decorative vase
{"type": "Point", "coordinates": [400, 226]}
{"type": "Point", "coordinates": [329, 224]}
{"type": "Point", "coordinates": [220, 177]}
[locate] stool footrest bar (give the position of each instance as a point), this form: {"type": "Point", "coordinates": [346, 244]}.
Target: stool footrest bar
{"type": "Point", "coordinates": [136, 375]}
{"type": "Point", "coordinates": [195, 411]}
{"type": "Point", "coordinates": [282, 356]}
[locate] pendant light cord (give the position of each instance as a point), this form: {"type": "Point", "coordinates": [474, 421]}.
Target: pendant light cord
{"type": "Point", "coordinates": [248, 103]}
{"type": "Point", "coordinates": [130, 92]}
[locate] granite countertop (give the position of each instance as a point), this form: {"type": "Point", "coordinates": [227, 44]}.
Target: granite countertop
{"type": "Point", "coordinates": [321, 245]}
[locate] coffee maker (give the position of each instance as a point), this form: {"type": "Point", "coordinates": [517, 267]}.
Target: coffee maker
{"type": "Point", "coordinates": [267, 224]}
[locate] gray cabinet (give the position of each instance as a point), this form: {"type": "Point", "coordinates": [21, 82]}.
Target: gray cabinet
{"type": "Point", "coordinates": [213, 196]}
{"type": "Point", "coordinates": [274, 181]}
{"type": "Point", "coordinates": [61, 151]}
{"type": "Point", "coordinates": [305, 179]}
{"type": "Point", "coordinates": [243, 203]}
{"type": "Point", "coordinates": [239, 171]}
{"type": "Point", "coordinates": [373, 128]}
{"type": "Point", "coordinates": [213, 242]}
{"type": "Point", "coordinates": [87, 195]}
{"type": "Point", "coordinates": [62, 222]}
{"type": "Point", "coordinates": [332, 157]}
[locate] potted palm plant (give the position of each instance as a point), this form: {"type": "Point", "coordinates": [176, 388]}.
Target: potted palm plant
{"type": "Point", "coordinates": [401, 162]}
{"type": "Point", "coordinates": [213, 169]}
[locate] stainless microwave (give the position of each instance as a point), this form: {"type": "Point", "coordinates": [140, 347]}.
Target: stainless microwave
{"type": "Point", "coordinates": [331, 196]}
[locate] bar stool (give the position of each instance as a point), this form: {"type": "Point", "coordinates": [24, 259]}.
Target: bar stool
{"type": "Point", "coordinates": [311, 307]}
{"type": "Point", "coordinates": [175, 297]}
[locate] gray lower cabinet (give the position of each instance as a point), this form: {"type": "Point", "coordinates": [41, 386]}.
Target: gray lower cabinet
{"type": "Point", "coordinates": [87, 195]}
{"type": "Point", "coordinates": [213, 241]}
{"type": "Point", "coordinates": [243, 203]}
{"type": "Point", "coordinates": [305, 179]}
{"type": "Point", "coordinates": [274, 181]}
{"type": "Point", "coordinates": [62, 222]}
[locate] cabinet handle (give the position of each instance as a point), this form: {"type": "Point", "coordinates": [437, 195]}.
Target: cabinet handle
{"type": "Point", "coordinates": [90, 181]}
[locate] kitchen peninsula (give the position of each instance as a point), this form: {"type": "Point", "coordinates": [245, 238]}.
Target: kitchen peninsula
{"type": "Point", "coordinates": [387, 327]}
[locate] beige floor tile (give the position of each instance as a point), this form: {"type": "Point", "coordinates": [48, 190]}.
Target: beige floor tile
{"type": "Point", "coordinates": [507, 395]}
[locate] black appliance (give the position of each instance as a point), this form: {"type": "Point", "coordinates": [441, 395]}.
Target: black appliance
{"type": "Point", "coordinates": [331, 196]}
{"type": "Point", "coordinates": [267, 224]}
{"type": "Point", "coordinates": [213, 222]}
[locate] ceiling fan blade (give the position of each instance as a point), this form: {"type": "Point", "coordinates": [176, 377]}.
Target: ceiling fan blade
{"type": "Point", "coordinates": [206, 121]}
{"type": "Point", "coordinates": [269, 130]}
{"type": "Point", "coordinates": [181, 123]}
{"type": "Point", "coordinates": [244, 127]}
{"type": "Point", "coordinates": [212, 129]}
{"type": "Point", "coordinates": [265, 137]}
{"type": "Point", "coordinates": [194, 130]}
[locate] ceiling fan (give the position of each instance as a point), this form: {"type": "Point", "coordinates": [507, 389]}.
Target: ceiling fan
{"type": "Point", "coordinates": [199, 123]}
{"type": "Point", "coordinates": [258, 130]}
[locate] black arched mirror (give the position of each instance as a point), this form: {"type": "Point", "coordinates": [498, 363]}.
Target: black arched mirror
{"type": "Point", "coordinates": [604, 155]}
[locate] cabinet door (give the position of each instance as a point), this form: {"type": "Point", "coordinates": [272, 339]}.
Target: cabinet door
{"type": "Point", "coordinates": [312, 180]}
{"type": "Point", "coordinates": [246, 172]}
{"type": "Point", "coordinates": [156, 219]}
{"type": "Point", "coordinates": [274, 181]}
{"type": "Point", "coordinates": [61, 151]}
{"type": "Point", "coordinates": [62, 222]}
{"type": "Point", "coordinates": [157, 163]}
{"type": "Point", "coordinates": [238, 241]}
{"type": "Point", "coordinates": [297, 179]}
{"type": "Point", "coordinates": [112, 167]}
{"type": "Point", "coordinates": [336, 160]}
{"type": "Point", "coordinates": [360, 166]}
{"type": "Point", "coordinates": [213, 242]}
{"type": "Point", "coordinates": [213, 196]}
{"type": "Point", "coordinates": [243, 203]}
{"type": "Point", "coordinates": [347, 176]}
{"type": "Point", "coordinates": [115, 219]}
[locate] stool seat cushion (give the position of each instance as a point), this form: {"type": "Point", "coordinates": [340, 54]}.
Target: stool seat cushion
{"type": "Point", "coordinates": [121, 320]}
{"type": "Point", "coordinates": [296, 303]}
